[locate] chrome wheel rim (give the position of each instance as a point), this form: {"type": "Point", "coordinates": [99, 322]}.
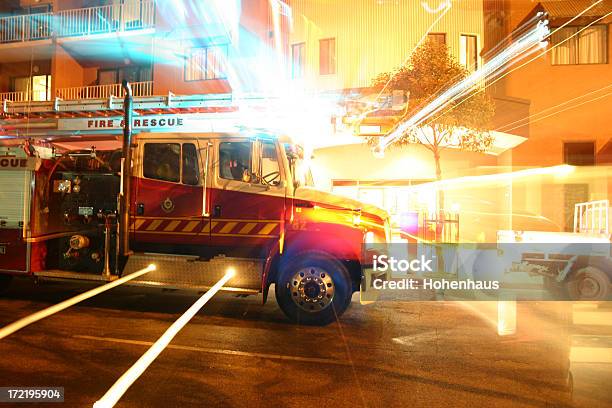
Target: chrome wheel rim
{"type": "Point", "coordinates": [312, 289]}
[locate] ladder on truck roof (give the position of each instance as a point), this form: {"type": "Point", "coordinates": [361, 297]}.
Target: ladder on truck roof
{"type": "Point", "coordinates": [103, 117]}
{"type": "Point", "coordinates": [113, 105]}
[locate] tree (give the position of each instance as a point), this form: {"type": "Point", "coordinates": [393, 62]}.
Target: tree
{"type": "Point", "coordinates": [462, 124]}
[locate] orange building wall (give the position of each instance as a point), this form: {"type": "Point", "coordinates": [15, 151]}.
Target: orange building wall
{"type": "Point", "coordinates": [65, 70]}
{"type": "Point", "coordinates": [546, 86]}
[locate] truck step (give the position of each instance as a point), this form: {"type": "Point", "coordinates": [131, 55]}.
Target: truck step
{"type": "Point", "coordinates": [191, 272]}
{"type": "Point", "coordinates": [70, 275]}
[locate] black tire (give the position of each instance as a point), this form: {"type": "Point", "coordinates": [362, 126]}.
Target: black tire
{"type": "Point", "coordinates": [5, 282]}
{"type": "Point", "coordinates": [314, 301]}
{"type": "Point", "coordinates": [589, 283]}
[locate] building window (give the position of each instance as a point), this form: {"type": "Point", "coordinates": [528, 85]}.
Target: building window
{"type": "Point", "coordinates": [206, 63]}
{"type": "Point", "coordinates": [35, 88]}
{"type": "Point", "coordinates": [132, 73]}
{"type": "Point", "coordinates": [437, 38]}
{"type": "Point", "coordinates": [327, 56]}
{"type": "Point", "coordinates": [579, 153]}
{"type": "Point", "coordinates": [590, 46]}
{"type": "Point", "coordinates": [298, 60]}
{"type": "Point", "coordinates": [468, 52]}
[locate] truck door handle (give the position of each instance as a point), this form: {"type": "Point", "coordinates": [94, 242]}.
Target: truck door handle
{"type": "Point", "coordinates": [140, 209]}
{"type": "Point", "coordinates": [217, 211]}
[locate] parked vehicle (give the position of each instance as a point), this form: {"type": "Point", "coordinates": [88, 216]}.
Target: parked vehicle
{"type": "Point", "coordinates": [577, 264]}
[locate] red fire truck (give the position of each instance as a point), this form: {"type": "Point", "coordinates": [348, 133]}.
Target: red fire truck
{"type": "Point", "coordinates": [190, 191]}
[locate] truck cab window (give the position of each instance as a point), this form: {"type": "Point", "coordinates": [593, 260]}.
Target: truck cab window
{"type": "Point", "coordinates": [162, 161]}
{"type": "Point", "coordinates": [191, 170]}
{"type": "Point", "coordinates": [234, 160]}
{"type": "Point", "coordinates": [270, 169]}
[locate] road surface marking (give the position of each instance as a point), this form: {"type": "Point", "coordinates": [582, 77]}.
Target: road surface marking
{"type": "Point", "coordinates": [21, 323]}
{"type": "Point", "coordinates": [220, 351]}
{"type": "Point", "coordinates": [114, 394]}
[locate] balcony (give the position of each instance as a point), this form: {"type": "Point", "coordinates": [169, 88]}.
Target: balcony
{"type": "Point", "coordinates": [14, 96]}
{"type": "Point", "coordinates": [26, 28]}
{"type": "Point", "coordinates": [144, 88]}
{"type": "Point", "coordinates": [114, 18]}
{"type": "Point", "coordinates": [103, 91]}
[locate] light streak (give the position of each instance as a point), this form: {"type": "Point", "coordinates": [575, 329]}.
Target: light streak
{"type": "Point", "coordinates": [21, 323]}
{"type": "Point", "coordinates": [483, 310]}
{"type": "Point", "coordinates": [520, 47]}
{"type": "Point", "coordinates": [529, 61]}
{"type": "Point", "coordinates": [498, 178]}
{"type": "Point", "coordinates": [506, 317]}
{"type": "Point", "coordinates": [115, 393]}
{"type": "Point", "coordinates": [432, 109]}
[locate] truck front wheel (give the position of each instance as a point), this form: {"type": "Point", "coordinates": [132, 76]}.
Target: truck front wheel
{"type": "Point", "coordinates": [589, 283]}
{"type": "Point", "coordinates": [313, 288]}
{"type": "Point", "coordinates": [5, 282]}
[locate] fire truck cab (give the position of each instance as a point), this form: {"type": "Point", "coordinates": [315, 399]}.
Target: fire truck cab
{"type": "Point", "coordinates": [193, 203]}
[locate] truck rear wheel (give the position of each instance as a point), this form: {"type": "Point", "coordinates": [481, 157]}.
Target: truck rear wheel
{"type": "Point", "coordinates": [313, 288]}
{"type": "Point", "coordinates": [589, 283]}
{"type": "Point", "coordinates": [5, 282]}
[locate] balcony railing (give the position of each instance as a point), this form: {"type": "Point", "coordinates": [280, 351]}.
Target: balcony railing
{"type": "Point", "coordinates": [103, 91]}
{"type": "Point", "coordinates": [132, 15]}
{"type": "Point", "coordinates": [26, 27]}
{"type": "Point", "coordinates": [15, 96]}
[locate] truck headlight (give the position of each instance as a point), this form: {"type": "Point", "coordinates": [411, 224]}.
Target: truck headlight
{"type": "Point", "coordinates": [369, 237]}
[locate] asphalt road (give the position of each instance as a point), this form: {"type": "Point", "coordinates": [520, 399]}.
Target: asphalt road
{"type": "Point", "coordinates": [239, 353]}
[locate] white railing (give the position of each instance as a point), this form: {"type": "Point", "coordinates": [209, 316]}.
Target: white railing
{"type": "Point", "coordinates": [132, 15]}
{"type": "Point", "coordinates": [592, 217]}
{"type": "Point", "coordinates": [103, 91]}
{"type": "Point", "coordinates": [27, 27]}
{"type": "Point", "coordinates": [14, 96]}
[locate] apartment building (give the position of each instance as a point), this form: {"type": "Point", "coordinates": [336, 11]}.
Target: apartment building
{"type": "Point", "coordinates": [344, 44]}
{"type": "Point", "coordinates": [566, 92]}
{"type": "Point", "coordinates": [562, 87]}
{"type": "Point", "coordinates": [80, 49]}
